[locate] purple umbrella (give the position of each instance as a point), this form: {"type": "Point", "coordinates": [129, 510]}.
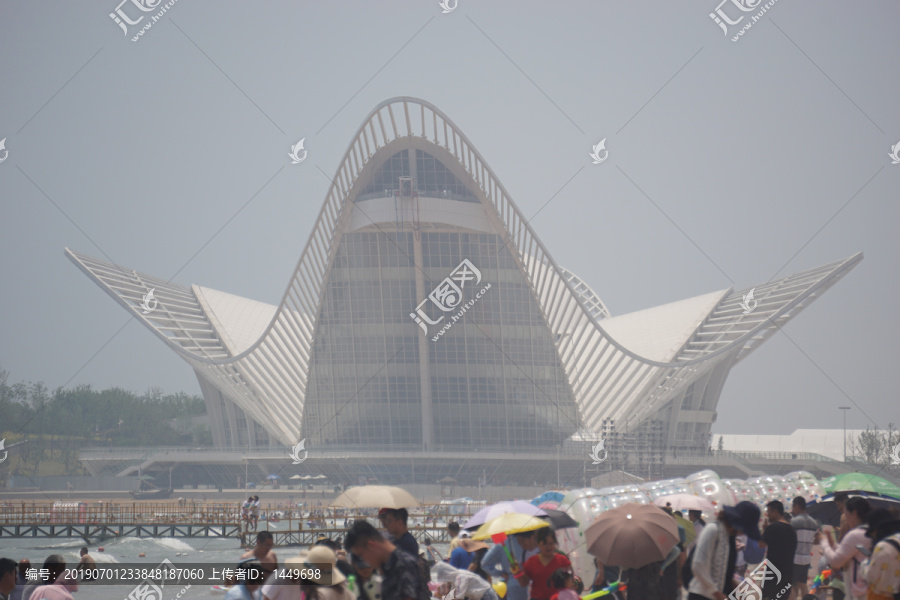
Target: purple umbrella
{"type": "Point", "coordinates": [501, 508]}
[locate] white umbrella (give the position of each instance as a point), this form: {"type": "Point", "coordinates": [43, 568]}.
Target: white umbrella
{"type": "Point", "coordinates": [685, 502]}
{"type": "Point", "coordinates": [375, 496]}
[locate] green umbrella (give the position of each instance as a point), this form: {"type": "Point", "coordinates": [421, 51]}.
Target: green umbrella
{"type": "Point", "coordinates": [853, 482]}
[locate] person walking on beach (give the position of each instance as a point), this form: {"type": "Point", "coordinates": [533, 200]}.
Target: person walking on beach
{"type": "Point", "coordinates": [245, 516]}
{"type": "Point", "coordinates": [780, 541]}
{"type": "Point", "coordinates": [806, 528]}
{"type": "Point", "coordinates": [496, 562]}
{"type": "Point", "coordinates": [715, 553]}
{"type": "Point", "coordinates": [882, 570]}
{"type": "Point", "coordinates": [845, 555]}
{"type": "Point", "coordinates": [21, 579]}
{"type": "Point", "coordinates": [538, 569]}
{"type": "Point", "coordinates": [453, 532]}
{"type": "Point", "coordinates": [402, 579]}
{"type": "Point", "coordinates": [56, 588]}
{"type": "Point", "coordinates": [263, 553]}
{"type": "Point", "coordinates": [7, 577]}
{"type": "Point", "coordinates": [254, 513]}
{"type": "Point", "coordinates": [394, 520]}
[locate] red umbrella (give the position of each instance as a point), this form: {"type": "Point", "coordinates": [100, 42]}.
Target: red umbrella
{"type": "Point", "coordinates": [631, 536]}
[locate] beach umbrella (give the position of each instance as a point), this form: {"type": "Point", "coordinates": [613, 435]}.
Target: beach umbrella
{"type": "Point", "coordinates": [548, 496]}
{"type": "Point", "coordinates": [558, 519]}
{"type": "Point", "coordinates": [631, 536]}
{"type": "Point", "coordinates": [375, 496]}
{"type": "Point", "coordinates": [549, 504]}
{"type": "Point", "coordinates": [296, 477]}
{"type": "Point", "coordinates": [860, 482]}
{"type": "Point", "coordinates": [503, 508]}
{"type": "Point", "coordinates": [509, 523]}
{"type": "Point", "coordinates": [273, 476]}
{"type": "Point", "coordinates": [826, 511]}
{"type": "Point", "coordinates": [685, 502]}
{"type": "Point", "coordinates": [690, 533]}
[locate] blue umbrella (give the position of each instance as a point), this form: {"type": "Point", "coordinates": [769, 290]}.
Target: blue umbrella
{"type": "Point", "coordinates": [273, 476]}
{"type": "Point", "coordinates": [548, 496]}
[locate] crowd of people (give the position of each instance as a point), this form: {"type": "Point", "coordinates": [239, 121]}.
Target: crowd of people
{"type": "Point", "coordinates": [860, 560]}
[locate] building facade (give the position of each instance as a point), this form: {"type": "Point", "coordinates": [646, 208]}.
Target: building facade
{"type": "Point", "coordinates": [426, 320]}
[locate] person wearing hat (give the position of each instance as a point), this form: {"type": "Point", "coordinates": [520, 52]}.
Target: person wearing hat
{"type": "Point", "coordinates": [715, 554]}
{"type": "Point", "coordinates": [465, 552]}
{"type": "Point", "coordinates": [882, 570]}
{"type": "Point", "coordinates": [331, 583]}
{"type": "Point", "coordinates": [278, 589]}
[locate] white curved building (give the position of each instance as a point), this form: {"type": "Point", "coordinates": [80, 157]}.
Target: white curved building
{"type": "Point", "coordinates": [426, 317]}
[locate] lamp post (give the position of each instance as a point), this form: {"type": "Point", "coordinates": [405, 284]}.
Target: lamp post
{"type": "Point", "coordinates": [845, 409]}
{"type": "Point", "coordinates": [557, 466]}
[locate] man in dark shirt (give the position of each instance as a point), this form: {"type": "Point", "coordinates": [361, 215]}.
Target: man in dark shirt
{"type": "Point", "coordinates": [394, 520]}
{"type": "Point", "coordinates": [780, 541]}
{"type": "Point", "coordinates": [402, 578]}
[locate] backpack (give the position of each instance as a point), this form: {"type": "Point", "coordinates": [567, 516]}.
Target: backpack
{"type": "Point", "coordinates": [753, 554]}
{"type": "Point", "coordinates": [686, 573]}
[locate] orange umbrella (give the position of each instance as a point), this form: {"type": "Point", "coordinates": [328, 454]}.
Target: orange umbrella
{"type": "Point", "coordinates": [631, 536]}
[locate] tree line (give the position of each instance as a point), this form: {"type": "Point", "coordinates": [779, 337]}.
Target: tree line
{"type": "Point", "coordinates": [56, 424]}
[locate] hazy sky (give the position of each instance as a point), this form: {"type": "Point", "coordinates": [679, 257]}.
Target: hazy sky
{"type": "Point", "coordinates": [730, 163]}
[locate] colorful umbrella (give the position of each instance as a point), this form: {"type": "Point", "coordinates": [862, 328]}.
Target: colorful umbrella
{"type": "Point", "coordinates": [631, 536]}
{"type": "Point", "coordinates": [558, 519]}
{"type": "Point", "coordinates": [375, 496]}
{"type": "Point", "coordinates": [502, 508]}
{"type": "Point", "coordinates": [685, 502]}
{"type": "Point", "coordinates": [551, 496]}
{"type": "Point", "coordinates": [860, 482]}
{"type": "Point", "coordinates": [509, 523]}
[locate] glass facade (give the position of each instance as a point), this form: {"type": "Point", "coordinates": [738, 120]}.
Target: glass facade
{"type": "Point", "coordinates": [495, 379]}
{"type": "Point", "coordinates": [432, 178]}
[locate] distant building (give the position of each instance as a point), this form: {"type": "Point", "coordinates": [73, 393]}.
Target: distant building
{"type": "Point", "coordinates": [825, 442]}
{"type": "Point", "coordinates": [425, 320]}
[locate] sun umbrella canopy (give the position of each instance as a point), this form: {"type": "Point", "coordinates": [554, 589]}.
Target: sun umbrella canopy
{"type": "Point", "coordinates": [375, 496]}
{"type": "Point", "coordinates": [690, 533]}
{"type": "Point", "coordinates": [851, 482]}
{"type": "Point", "coordinates": [548, 496]}
{"type": "Point", "coordinates": [826, 511]}
{"type": "Point", "coordinates": [502, 508]}
{"type": "Point", "coordinates": [631, 536]}
{"type": "Point", "coordinates": [558, 519]}
{"type": "Point", "coordinates": [509, 523]}
{"type": "Point", "coordinates": [685, 502]}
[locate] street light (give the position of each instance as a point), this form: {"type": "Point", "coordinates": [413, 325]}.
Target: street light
{"type": "Point", "coordinates": [845, 409]}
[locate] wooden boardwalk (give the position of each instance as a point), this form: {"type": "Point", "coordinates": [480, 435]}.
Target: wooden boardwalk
{"type": "Point", "coordinates": [96, 522]}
